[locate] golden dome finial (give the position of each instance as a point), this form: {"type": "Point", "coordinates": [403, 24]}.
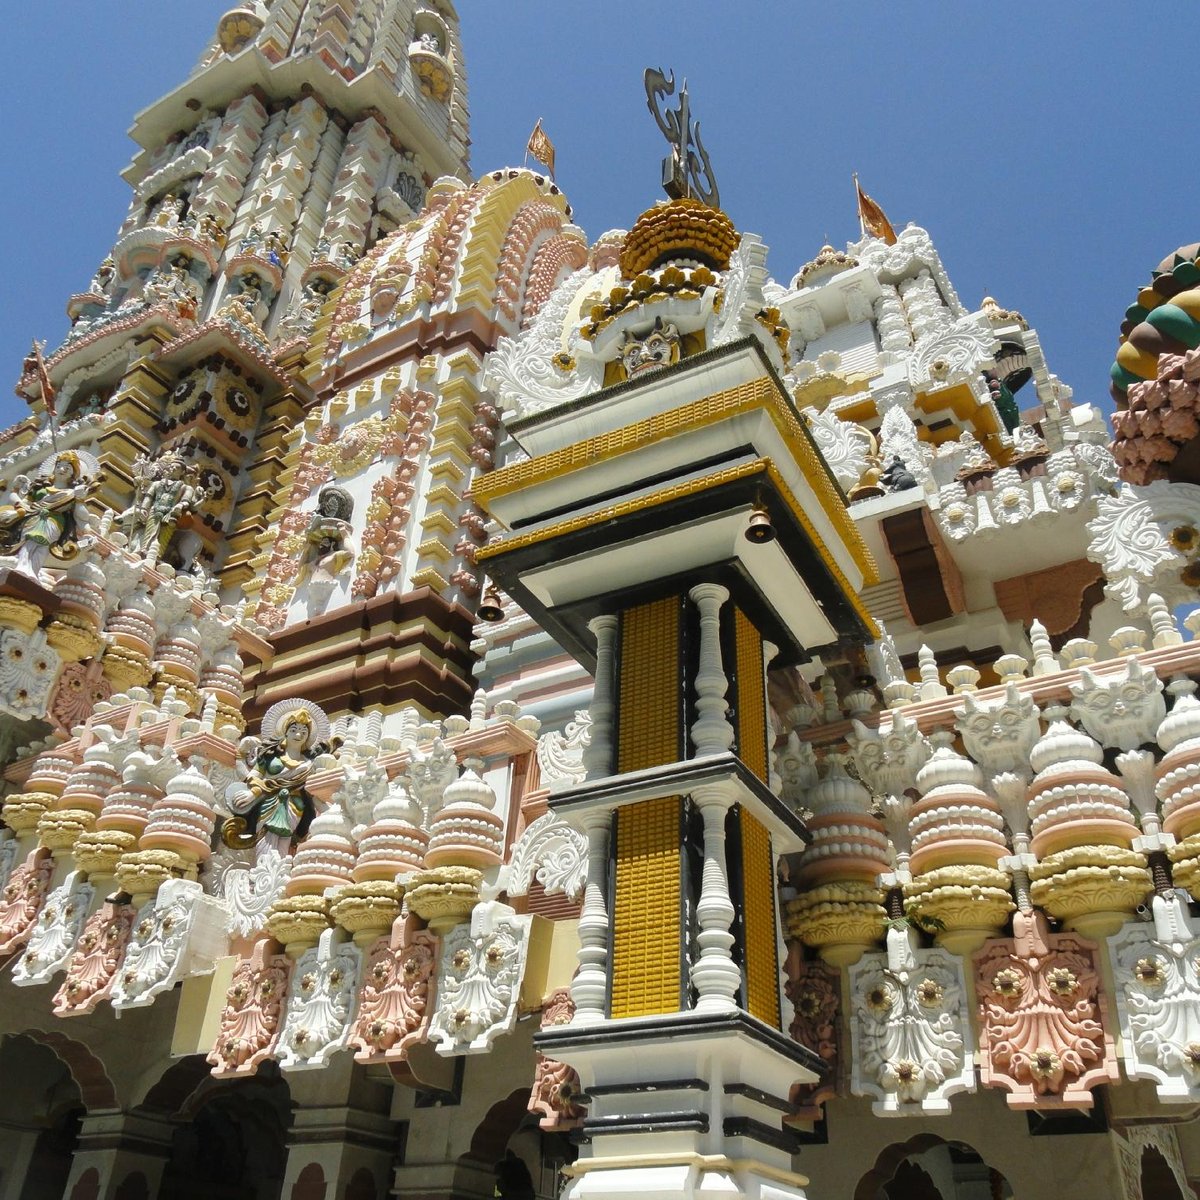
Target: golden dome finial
{"type": "Point", "coordinates": [679, 229]}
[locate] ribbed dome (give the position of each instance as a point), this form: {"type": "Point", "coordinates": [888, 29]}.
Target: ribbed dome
{"type": "Point", "coordinates": [678, 229]}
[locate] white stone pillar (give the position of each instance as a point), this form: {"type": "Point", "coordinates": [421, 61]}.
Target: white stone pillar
{"type": "Point", "coordinates": [598, 756]}
{"type": "Point", "coordinates": [711, 731]}
{"type": "Point", "coordinates": [589, 988]}
{"type": "Point", "coordinates": [715, 976]}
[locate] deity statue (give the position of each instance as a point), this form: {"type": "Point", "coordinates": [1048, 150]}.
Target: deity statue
{"type": "Point", "coordinates": [251, 240]}
{"type": "Point", "coordinates": [329, 549]}
{"type": "Point", "coordinates": [198, 137]}
{"type": "Point", "coordinates": [175, 286]}
{"type": "Point", "coordinates": [165, 489]}
{"type": "Point", "coordinates": [212, 229]}
{"type": "Point", "coordinates": [276, 248]}
{"type": "Point", "coordinates": [250, 296]}
{"type": "Point", "coordinates": [652, 351]}
{"type": "Point", "coordinates": [304, 310]}
{"type": "Point", "coordinates": [897, 477]}
{"type": "Point", "coordinates": [45, 515]}
{"type": "Point", "coordinates": [270, 804]}
{"type": "Point", "coordinates": [102, 280]}
{"type": "Point", "coordinates": [169, 210]}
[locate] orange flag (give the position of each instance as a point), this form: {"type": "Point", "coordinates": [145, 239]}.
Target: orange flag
{"type": "Point", "coordinates": [541, 147]}
{"type": "Point", "coordinates": [872, 217]}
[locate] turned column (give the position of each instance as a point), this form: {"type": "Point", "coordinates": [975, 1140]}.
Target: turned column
{"type": "Point", "coordinates": [589, 989]}
{"type": "Point", "coordinates": [711, 731]}
{"type": "Point", "coordinates": [715, 976]}
{"type": "Point", "coordinates": [598, 757]}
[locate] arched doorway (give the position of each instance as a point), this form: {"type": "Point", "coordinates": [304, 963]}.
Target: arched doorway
{"type": "Point", "coordinates": [41, 1110]}
{"type": "Point", "coordinates": [926, 1167]}
{"type": "Point", "coordinates": [533, 1159]}
{"type": "Point", "coordinates": [233, 1144]}
{"type": "Point", "coordinates": [1158, 1180]}
{"type": "Point", "coordinates": [911, 1182]}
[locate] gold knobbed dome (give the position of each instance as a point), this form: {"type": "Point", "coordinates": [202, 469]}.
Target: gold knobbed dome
{"type": "Point", "coordinates": [238, 28]}
{"type": "Point", "coordinates": [828, 262]}
{"type": "Point", "coordinates": [678, 229]}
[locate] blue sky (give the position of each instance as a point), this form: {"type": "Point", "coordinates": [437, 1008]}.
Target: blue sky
{"type": "Point", "coordinates": [1047, 147]}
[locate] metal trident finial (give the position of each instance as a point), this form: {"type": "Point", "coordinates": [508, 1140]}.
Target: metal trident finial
{"type": "Point", "coordinates": [686, 170]}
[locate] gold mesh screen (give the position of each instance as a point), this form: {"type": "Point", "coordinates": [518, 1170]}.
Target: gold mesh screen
{"type": "Point", "coordinates": [648, 716]}
{"type": "Point", "coordinates": [758, 907]}
{"type": "Point", "coordinates": [645, 978]}
{"type": "Point", "coordinates": [751, 697]}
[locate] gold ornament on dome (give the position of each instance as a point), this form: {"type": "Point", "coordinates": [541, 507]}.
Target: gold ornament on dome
{"type": "Point", "coordinates": [237, 29]}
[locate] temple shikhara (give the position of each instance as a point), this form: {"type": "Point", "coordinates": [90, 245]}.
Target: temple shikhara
{"type": "Point", "coordinates": [488, 710]}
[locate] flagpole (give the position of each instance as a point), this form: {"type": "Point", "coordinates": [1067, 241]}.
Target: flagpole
{"type": "Point", "coordinates": [862, 225]}
{"type": "Point", "coordinates": [47, 391]}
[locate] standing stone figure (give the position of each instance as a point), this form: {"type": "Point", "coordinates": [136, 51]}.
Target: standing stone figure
{"type": "Point", "coordinates": [166, 489]}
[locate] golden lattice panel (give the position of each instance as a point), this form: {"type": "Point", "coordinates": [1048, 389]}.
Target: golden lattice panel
{"type": "Point", "coordinates": [646, 911]}
{"type": "Point", "coordinates": [648, 732]}
{"type": "Point", "coordinates": [751, 696]}
{"type": "Point", "coordinates": [758, 909]}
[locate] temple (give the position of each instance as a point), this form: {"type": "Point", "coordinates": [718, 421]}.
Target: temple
{"type": "Point", "coordinates": [487, 711]}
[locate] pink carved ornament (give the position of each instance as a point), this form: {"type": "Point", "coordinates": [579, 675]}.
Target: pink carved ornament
{"type": "Point", "coordinates": [92, 968]}
{"type": "Point", "coordinates": [814, 988]}
{"type": "Point", "coordinates": [1042, 1016]}
{"type": "Point", "coordinates": [555, 1085]}
{"type": "Point", "coordinates": [253, 1012]}
{"type": "Point", "coordinates": [81, 686]}
{"type": "Point", "coordinates": [394, 1004]}
{"type": "Point", "coordinates": [22, 900]}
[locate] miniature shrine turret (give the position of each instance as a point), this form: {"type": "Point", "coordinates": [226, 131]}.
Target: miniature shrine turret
{"type": "Point", "coordinates": [677, 531]}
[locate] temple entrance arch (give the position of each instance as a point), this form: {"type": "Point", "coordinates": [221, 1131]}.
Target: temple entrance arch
{"type": "Point", "coordinates": [928, 1167]}
{"type": "Point", "coordinates": [42, 1106]}
{"type": "Point", "coordinates": [1157, 1179]}
{"type": "Point", "coordinates": [231, 1143]}
{"type": "Point", "coordinates": [510, 1151]}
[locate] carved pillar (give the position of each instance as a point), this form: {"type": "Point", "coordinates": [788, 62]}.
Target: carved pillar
{"type": "Point", "coordinates": [598, 757]}
{"type": "Point", "coordinates": [711, 731]}
{"type": "Point", "coordinates": [715, 976]}
{"type": "Point", "coordinates": [589, 989]}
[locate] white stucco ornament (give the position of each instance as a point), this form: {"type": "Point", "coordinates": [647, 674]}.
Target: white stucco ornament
{"type": "Point", "coordinates": [1158, 1000]}
{"type": "Point", "coordinates": [1131, 538]}
{"type": "Point", "coordinates": [248, 886]}
{"type": "Point", "coordinates": [560, 755]}
{"type": "Point", "coordinates": [321, 1003]}
{"type": "Point", "coordinates": [552, 852]}
{"type": "Point", "coordinates": [57, 929]}
{"type": "Point", "coordinates": [912, 1042]}
{"type": "Point", "coordinates": [180, 932]}
{"type": "Point", "coordinates": [479, 980]}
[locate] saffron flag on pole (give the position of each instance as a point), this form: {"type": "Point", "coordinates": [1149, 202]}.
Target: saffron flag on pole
{"type": "Point", "coordinates": [541, 147]}
{"type": "Point", "coordinates": [872, 217]}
